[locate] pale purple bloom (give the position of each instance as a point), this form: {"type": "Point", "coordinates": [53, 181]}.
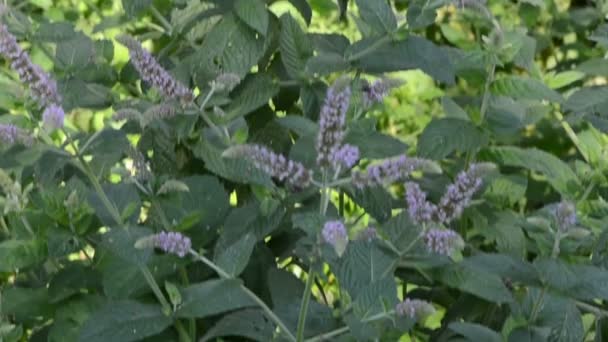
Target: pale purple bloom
{"type": "Point", "coordinates": [173, 243]}
{"type": "Point", "coordinates": [374, 92]}
{"type": "Point", "coordinates": [346, 156]}
{"type": "Point", "coordinates": [332, 122]}
{"type": "Point", "coordinates": [53, 116]}
{"type": "Point", "coordinates": [388, 171]}
{"type": "Point", "coordinates": [334, 232]}
{"type": "Point", "coordinates": [11, 134]}
{"type": "Point", "coordinates": [420, 210]}
{"type": "Point", "coordinates": [443, 241]}
{"type": "Point", "coordinates": [459, 194]}
{"type": "Point", "coordinates": [276, 165]}
{"type": "Point", "coordinates": [43, 88]}
{"type": "Point", "coordinates": [565, 214]}
{"type": "Point", "coordinates": [153, 73]}
{"type": "Point", "coordinates": [415, 309]}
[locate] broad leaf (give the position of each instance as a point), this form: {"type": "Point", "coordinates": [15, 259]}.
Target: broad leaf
{"type": "Point", "coordinates": [253, 13]}
{"type": "Point", "coordinates": [295, 46]}
{"type": "Point", "coordinates": [212, 297]}
{"type": "Point", "coordinates": [525, 88]}
{"type": "Point", "coordinates": [444, 136]}
{"type": "Point", "coordinates": [378, 14]}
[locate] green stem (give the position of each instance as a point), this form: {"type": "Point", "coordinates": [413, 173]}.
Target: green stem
{"type": "Point", "coordinates": [304, 306]}
{"type": "Point", "coordinates": [27, 225]}
{"type": "Point", "coordinates": [248, 292]}
{"type": "Point", "coordinates": [590, 308]}
{"type": "Point", "coordinates": [327, 336]}
{"type": "Point", "coordinates": [166, 25]}
{"type": "Point", "coordinates": [183, 334]}
{"type": "Point", "coordinates": [486, 93]}
{"type": "Point", "coordinates": [588, 190]}
{"type": "Point", "coordinates": [218, 131]}
{"type": "Point", "coordinates": [571, 134]}
{"type": "Point", "coordinates": [156, 289]}
{"type": "Point", "coordinates": [554, 254]}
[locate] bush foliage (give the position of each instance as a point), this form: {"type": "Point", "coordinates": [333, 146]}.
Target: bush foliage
{"type": "Point", "coordinates": [364, 170]}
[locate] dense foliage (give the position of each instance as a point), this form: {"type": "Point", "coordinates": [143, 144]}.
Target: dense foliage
{"type": "Point", "coordinates": [364, 170]}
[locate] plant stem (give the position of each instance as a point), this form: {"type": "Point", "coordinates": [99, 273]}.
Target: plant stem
{"type": "Point", "coordinates": [208, 121]}
{"type": "Point", "coordinates": [304, 306]}
{"type": "Point", "coordinates": [249, 293]}
{"type": "Point", "coordinates": [571, 134]}
{"type": "Point", "coordinates": [27, 225]}
{"type": "Point", "coordinates": [590, 308]}
{"type": "Point", "coordinates": [486, 93]}
{"type": "Point", "coordinates": [155, 288]}
{"type": "Point", "coordinates": [183, 334]}
{"type": "Point", "coordinates": [166, 25]}
{"type": "Point", "coordinates": [554, 254]}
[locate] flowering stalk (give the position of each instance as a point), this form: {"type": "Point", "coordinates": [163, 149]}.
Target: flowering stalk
{"type": "Point", "coordinates": [459, 194]}
{"type": "Point", "coordinates": [390, 170]}
{"type": "Point", "coordinates": [11, 134]}
{"type": "Point", "coordinates": [421, 211]}
{"type": "Point", "coordinates": [443, 241]}
{"type": "Point", "coordinates": [276, 165]}
{"type": "Point", "coordinates": [415, 309]}
{"type": "Point", "coordinates": [153, 73]}
{"type": "Point", "coordinates": [332, 123]}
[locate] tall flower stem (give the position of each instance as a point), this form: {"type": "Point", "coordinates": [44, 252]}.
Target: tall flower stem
{"type": "Point", "coordinates": [248, 292]}
{"type": "Point", "coordinates": [541, 297]}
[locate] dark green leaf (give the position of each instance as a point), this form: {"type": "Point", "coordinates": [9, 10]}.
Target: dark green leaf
{"type": "Point", "coordinates": [253, 93]}
{"type": "Point", "coordinates": [422, 13]}
{"type": "Point", "coordinates": [253, 13]}
{"type": "Point", "coordinates": [475, 281]}
{"type": "Point", "coordinates": [525, 88]}
{"type": "Point", "coordinates": [587, 100]}
{"type": "Point", "coordinates": [135, 7]}
{"type": "Point", "coordinates": [212, 297]}
{"type": "Point", "coordinates": [444, 136]}
{"type": "Point", "coordinates": [475, 332]}
{"type": "Point", "coordinates": [19, 254]}
{"type": "Point", "coordinates": [295, 46]}
{"type": "Point", "coordinates": [249, 323]}
{"type": "Point", "coordinates": [235, 257]}
{"type": "Point", "coordinates": [299, 124]}
{"type": "Point", "coordinates": [304, 8]}
{"type": "Point", "coordinates": [378, 14]}
{"type": "Point", "coordinates": [123, 322]}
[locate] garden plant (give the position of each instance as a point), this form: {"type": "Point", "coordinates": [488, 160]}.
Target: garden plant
{"type": "Point", "coordinates": [293, 170]}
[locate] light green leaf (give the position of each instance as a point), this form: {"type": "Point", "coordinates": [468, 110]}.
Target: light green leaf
{"type": "Point", "coordinates": [444, 136]}
{"type": "Point", "coordinates": [524, 88]}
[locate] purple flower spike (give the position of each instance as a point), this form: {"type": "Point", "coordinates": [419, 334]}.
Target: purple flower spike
{"type": "Point", "coordinates": [334, 233]}
{"type": "Point", "coordinates": [173, 243]}
{"type": "Point", "coordinates": [565, 214]}
{"type": "Point", "coordinates": [153, 73]}
{"type": "Point", "coordinates": [346, 156]}
{"type": "Point", "coordinates": [332, 122]}
{"type": "Point", "coordinates": [53, 116]}
{"type": "Point", "coordinates": [11, 134]}
{"type": "Point", "coordinates": [443, 241]}
{"type": "Point", "coordinates": [375, 92]}
{"type": "Point", "coordinates": [459, 194]}
{"type": "Point", "coordinates": [275, 165]}
{"type": "Point", "coordinates": [42, 87]}
{"type": "Point", "coordinates": [420, 210]}
{"type": "Point", "coordinates": [415, 309]}
{"type": "Point", "coordinates": [388, 171]}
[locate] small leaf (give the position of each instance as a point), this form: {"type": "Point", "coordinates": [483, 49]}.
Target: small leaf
{"type": "Point", "coordinates": [172, 185]}
{"type": "Point", "coordinates": [174, 296]}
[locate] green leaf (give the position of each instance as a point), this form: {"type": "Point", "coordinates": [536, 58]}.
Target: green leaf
{"type": "Point", "coordinates": [212, 297]}
{"type": "Point", "coordinates": [80, 94]}
{"type": "Point", "coordinates": [234, 258]}
{"type": "Point", "coordinates": [452, 109]}
{"type": "Point", "coordinates": [422, 13]}
{"type": "Point", "coordinates": [236, 170]}
{"type": "Point", "coordinates": [475, 281]}
{"type": "Point", "coordinates": [558, 173]}
{"type": "Point", "coordinates": [249, 323]}
{"type": "Point", "coordinates": [300, 125]}
{"type": "Point", "coordinates": [525, 88]}
{"type": "Point", "coordinates": [376, 201]}
{"type": "Point", "coordinates": [507, 189]}
{"type": "Point", "coordinates": [19, 254]}
{"type": "Point", "coordinates": [135, 7]}
{"type": "Point", "coordinates": [123, 322]}
{"type": "Point", "coordinates": [55, 32]}
{"type": "Point", "coordinates": [412, 53]}
{"type": "Point", "coordinates": [75, 54]}
{"type": "Point", "coordinates": [325, 64]}
{"type": "Point", "coordinates": [378, 14]}
{"type": "Point", "coordinates": [504, 266]}
{"type": "Point", "coordinates": [254, 92]}
{"type": "Point", "coordinates": [253, 13]}
{"type": "Point", "coordinates": [563, 317]}
{"type": "Point", "coordinates": [401, 231]}
{"type": "Point", "coordinates": [587, 100]}
{"type": "Point", "coordinates": [443, 136]}
{"type": "Point", "coordinates": [121, 242]}
{"type": "Point", "coordinates": [475, 332]}
{"type": "Point", "coordinates": [362, 264]}
{"type": "Point", "coordinates": [562, 79]}
{"type": "Point", "coordinates": [304, 8]}
{"type": "Point", "coordinates": [25, 303]}
{"type": "Point", "coordinates": [294, 45]}
{"type": "Point", "coordinates": [594, 66]}
{"type": "Point", "coordinates": [373, 144]}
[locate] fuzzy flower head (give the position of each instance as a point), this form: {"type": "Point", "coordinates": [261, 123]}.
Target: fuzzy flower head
{"type": "Point", "coordinates": [459, 194]}
{"type": "Point", "coordinates": [416, 309]}
{"type": "Point", "coordinates": [43, 88]}
{"type": "Point", "coordinates": [375, 92]}
{"type": "Point", "coordinates": [388, 171]}
{"type": "Point", "coordinates": [420, 210]}
{"type": "Point", "coordinates": [346, 156]}
{"type": "Point", "coordinates": [332, 122]}
{"type": "Point", "coordinates": [173, 243]}
{"type": "Point", "coordinates": [334, 233]}
{"type": "Point", "coordinates": [153, 73]}
{"type": "Point", "coordinates": [443, 241]}
{"type": "Point", "coordinates": [565, 215]}
{"type": "Point", "coordinates": [276, 165]}
{"type": "Point", "coordinates": [11, 134]}
{"type": "Point", "coordinates": [53, 116]}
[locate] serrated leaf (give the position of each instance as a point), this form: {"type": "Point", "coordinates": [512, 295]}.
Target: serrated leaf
{"type": "Point", "coordinates": [234, 258]}
{"type": "Point", "coordinates": [444, 136]}
{"type": "Point", "coordinates": [475, 332]}
{"type": "Point", "coordinates": [249, 323]}
{"type": "Point", "coordinates": [562, 79]}
{"type": "Point", "coordinates": [253, 13]}
{"type": "Point", "coordinates": [294, 45]}
{"type": "Point", "coordinates": [558, 173]}
{"type": "Point", "coordinates": [304, 8]}
{"type": "Point", "coordinates": [524, 88]}
{"type": "Point", "coordinates": [253, 93]}
{"type": "Point", "coordinates": [325, 64]}
{"type": "Point", "coordinates": [373, 144]}
{"type": "Point", "coordinates": [587, 100]}
{"type": "Point", "coordinates": [453, 110]}
{"type": "Point", "coordinates": [422, 13]}
{"type": "Point", "coordinates": [135, 7]}
{"type": "Point", "coordinates": [378, 14]}
{"type": "Point", "coordinates": [124, 321]}
{"type": "Point", "coordinates": [172, 185]}
{"type": "Point", "coordinates": [212, 297]}
{"type": "Point", "coordinates": [19, 254]}
{"type": "Point", "coordinates": [412, 53]}
{"type": "Point", "coordinates": [476, 282]}
{"type": "Point", "coordinates": [300, 125]}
